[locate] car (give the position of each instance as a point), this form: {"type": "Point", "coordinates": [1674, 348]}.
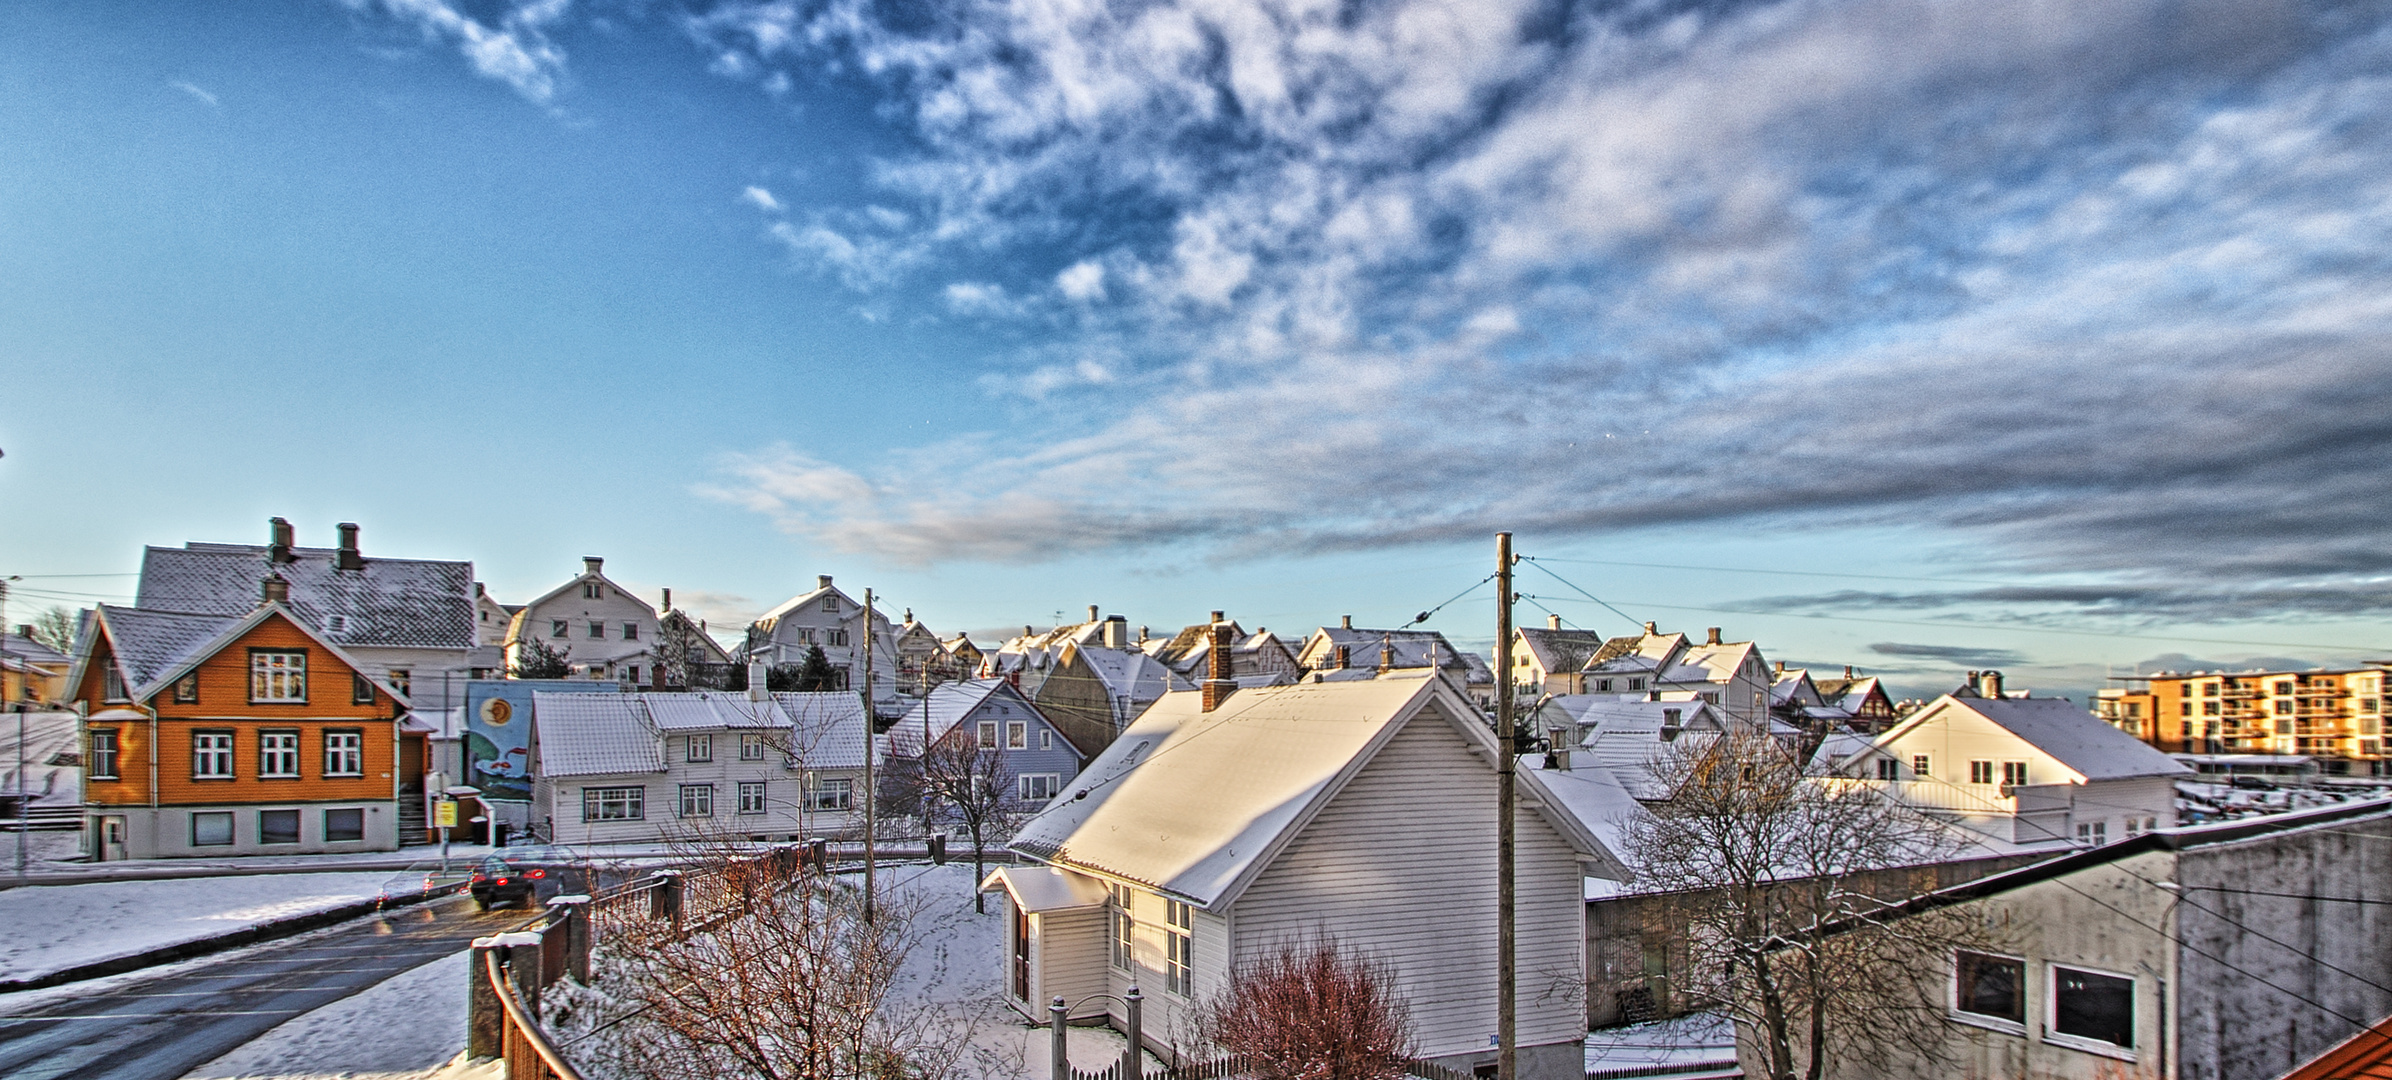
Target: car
{"type": "Point", "coordinates": [524, 875]}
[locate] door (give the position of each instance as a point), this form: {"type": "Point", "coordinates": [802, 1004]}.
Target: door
{"type": "Point", "coordinates": [112, 839]}
{"type": "Point", "coordinates": [1021, 954]}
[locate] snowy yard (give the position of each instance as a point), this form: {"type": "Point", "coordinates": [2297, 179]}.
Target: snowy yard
{"type": "Point", "coordinates": [59, 926]}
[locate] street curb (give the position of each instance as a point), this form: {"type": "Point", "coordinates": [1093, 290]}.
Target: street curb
{"type": "Point", "coordinates": [185, 950]}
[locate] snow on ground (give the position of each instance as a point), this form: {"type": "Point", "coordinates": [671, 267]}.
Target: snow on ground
{"type": "Point", "coordinates": [1687, 1043]}
{"type": "Point", "coordinates": [409, 1026]}
{"type": "Point", "coordinates": [59, 926]}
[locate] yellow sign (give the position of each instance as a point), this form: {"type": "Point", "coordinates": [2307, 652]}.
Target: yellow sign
{"type": "Point", "coordinates": [444, 814]}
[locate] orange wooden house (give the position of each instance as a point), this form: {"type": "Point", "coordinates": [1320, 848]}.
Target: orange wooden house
{"type": "Point", "coordinates": [207, 735]}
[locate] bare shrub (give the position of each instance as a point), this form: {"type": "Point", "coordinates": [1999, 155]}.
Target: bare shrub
{"type": "Point", "coordinates": [1312, 1011]}
{"type": "Point", "coordinates": [957, 775]}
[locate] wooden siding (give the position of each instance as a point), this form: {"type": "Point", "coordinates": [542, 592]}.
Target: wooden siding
{"type": "Point", "coordinates": [1068, 958]}
{"type": "Point", "coordinates": [224, 705]}
{"type": "Point", "coordinates": [1401, 865]}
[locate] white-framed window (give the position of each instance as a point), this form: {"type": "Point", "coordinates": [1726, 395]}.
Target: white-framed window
{"type": "Point", "coordinates": [278, 756]}
{"type": "Point", "coordinates": [344, 753]}
{"type": "Point", "coordinates": [101, 763]}
{"type": "Point", "coordinates": [1017, 735]}
{"type": "Point", "coordinates": [361, 688]}
{"type": "Point", "coordinates": [1888, 769]}
{"type": "Point", "coordinates": [1602, 686]}
{"type": "Point", "coordinates": [1125, 925]}
{"type": "Point", "coordinates": [614, 804]}
{"type": "Point", "coordinates": [1710, 697]}
{"type": "Point", "coordinates": [1636, 684]}
{"type": "Point", "coordinates": [988, 734]}
{"type": "Point", "coordinates": [2209, 708]}
{"type": "Point", "coordinates": [1038, 787]}
{"type": "Point", "coordinates": [697, 800]}
{"type": "Point", "coordinates": [751, 796]}
{"type": "Point", "coordinates": [2091, 1010]}
{"type": "Point", "coordinates": [112, 683]}
{"type": "Point", "coordinates": [831, 795]}
{"type": "Point", "coordinates": [2093, 833]}
{"type": "Point", "coordinates": [1046, 739]}
{"type": "Point", "coordinates": [1178, 947]}
{"type": "Point", "coordinates": [697, 748]}
{"type": "Point", "coordinates": [278, 675]}
{"type": "Point", "coordinates": [1990, 990]}
{"type": "Point", "coordinates": [597, 629]}
{"type": "Point", "coordinates": [631, 631]}
{"type": "Point", "coordinates": [212, 829]}
{"type": "Point", "coordinates": [836, 637]}
{"type": "Point", "coordinates": [751, 747]}
{"type": "Point", "coordinates": [559, 628]}
{"type": "Point", "coordinates": [212, 755]}
{"type": "Point", "coordinates": [830, 603]}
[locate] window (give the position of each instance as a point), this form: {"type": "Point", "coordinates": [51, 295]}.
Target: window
{"type": "Point", "coordinates": [614, 804]}
{"type": "Point", "coordinates": [344, 753]}
{"type": "Point", "coordinates": [1672, 717]}
{"type": "Point", "coordinates": [697, 800]}
{"type": "Point", "coordinates": [1980, 772]}
{"type": "Point", "coordinates": [751, 797]}
{"type": "Point", "coordinates": [2014, 773]}
{"type": "Point", "coordinates": [591, 590]}
{"type": "Point", "coordinates": [397, 678]}
{"type": "Point", "coordinates": [597, 629]}
{"type": "Point", "coordinates": [1918, 766]}
{"type": "Point", "coordinates": [101, 765]}
{"type": "Point", "coordinates": [632, 674]}
{"type": "Point", "coordinates": [2209, 690]}
{"type": "Point", "coordinates": [2283, 708]}
{"type": "Point", "coordinates": [830, 603]}
{"type": "Point", "coordinates": [835, 637]}
{"type": "Point", "coordinates": [698, 748]}
{"type": "Point", "coordinates": [1039, 787]}
{"type": "Point", "coordinates": [2093, 833]}
{"type": "Point", "coordinates": [278, 756]}
{"type": "Point", "coordinates": [2366, 704]}
{"type": "Point", "coordinates": [186, 689]}
{"type": "Point", "coordinates": [751, 747]}
{"type": "Point", "coordinates": [2209, 708]}
{"type": "Point", "coordinates": [1602, 686]}
{"type": "Point", "coordinates": [112, 684]}
{"type": "Point", "coordinates": [278, 675]}
{"type": "Point", "coordinates": [1636, 684]}
{"type": "Point", "coordinates": [1710, 696]}
{"type": "Point", "coordinates": [988, 734]}
{"type": "Point", "coordinates": [1176, 942]}
{"type": "Point", "coordinates": [2184, 708]}
{"type": "Point", "coordinates": [1046, 739]}
{"type": "Point", "coordinates": [1124, 927]}
{"type": "Point", "coordinates": [1987, 987]}
{"type": "Point", "coordinates": [361, 689]}
{"type": "Point", "coordinates": [2092, 1006]}
{"type": "Point", "coordinates": [1888, 769]}
{"type": "Point", "coordinates": [340, 825]}
{"type": "Point", "coordinates": [212, 829]}
{"type": "Point", "coordinates": [558, 628]}
{"type": "Point", "coordinates": [278, 826]}
{"type": "Point", "coordinates": [831, 795]}
{"type": "Point", "coordinates": [2284, 687]}
{"type": "Point", "coordinates": [212, 756]}
{"type": "Point", "coordinates": [631, 631]}
{"type": "Point", "coordinates": [1017, 736]}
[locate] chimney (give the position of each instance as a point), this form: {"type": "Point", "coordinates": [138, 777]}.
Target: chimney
{"type": "Point", "coordinates": [1092, 613]}
{"type": "Point", "coordinates": [1345, 622]}
{"type": "Point", "coordinates": [1557, 749]}
{"type": "Point", "coordinates": [668, 600]}
{"type": "Point", "coordinates": [278, 542]}
{"type": "Point", "coordinates": [1218, 688]}
{"type": "Point", "coordinates": [1651, 629]}
{"type": "Point", "coordinates": [1141, 635]}
{"type": "Point", "coordinates": [591, 563]}
{"type": "Point", "coordinates": [24, 630]}
{"type": "Point", "coordinates": [1781, 667]}
{"type": "Point", "coordinates": [1386, 654]}
{"type": "Point", "coordinates": [479, 591]}
{"type": "Point", "coordinates": [277, 591]}
{"type": "Point", "coordinates": [756, 681]}
{"type": "Point", "coordinates": [1711, 636]}
{"type": "Point", "coordinates": [1847, 671]}
{"type": "Point", "coordinates": [1552, 622]}
{"type": "Point", "coordinates": [822, 581]}
{"type": "Point", "coordinates": [1989, 684]}
{"type": "Point", "coordinates": [347, 558]}
{"type": "Point", "coordinates": [1217, 617]}
{"type": "Point", "coordinates": [1117, 633]}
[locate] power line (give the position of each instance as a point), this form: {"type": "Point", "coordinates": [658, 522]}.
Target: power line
{"type": "Point", "coordinates": [1791, 573]}
{"type": "Point", "coordinates": [1632, 620]}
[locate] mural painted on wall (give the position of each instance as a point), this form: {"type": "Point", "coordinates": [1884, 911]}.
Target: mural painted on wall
{"type": "Point", "coordinates": [498, 732]}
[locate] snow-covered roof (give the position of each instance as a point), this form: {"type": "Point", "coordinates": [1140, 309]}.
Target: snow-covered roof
{"type": "Point", "coordinates": [20, 647]}
{"type": "Point", "coordinates": [1128, 673]}
{"type": "Point", "coordinates": [827, 729]}
{"type": "Point", "coordinates": [170, 633]}
{"type": "Point", "coordinates": [1631, 744]}
{"type": "Point", "coordinates": [1041, 889]}
{"type": "Point", "coordinates": [1196, 803]}
{"type": "Point", "coordinates": [1593, 795]}
{"type": "Point", "coordinates": [1629, 712]}
{"type": "Point", "coordinates": [1834, 749]}
{"type": "Point", "coordinates": [2074, 737]}
{"type": "Point", "coordinates": [1561, 651]}
{"type": "Point", "coordinates": [944, 707]}
{"type": "Point", "coordinates": [594, 735]}
{"type": "Point", "coordinates": [149, 642]}
{"type": "Point", "coordinates": [1846, 693]}
{"type": "Point", "coordinates": [713, 711]}
{"type": "Point", "coordinates": [1404, 648]}
{"type": "Point", "coordinates": [427, 603]}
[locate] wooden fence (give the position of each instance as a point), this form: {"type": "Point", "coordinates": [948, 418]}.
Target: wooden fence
{"type": "Point", "coordinates": [1234, 1066]}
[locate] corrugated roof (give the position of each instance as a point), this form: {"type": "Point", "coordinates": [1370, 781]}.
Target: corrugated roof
{"type": "Point", "coordinates": [425, 603]}
{"type": "Point", "coordinates": [594, 735]}
{"type": "Point", "coordinates": [827, 729]}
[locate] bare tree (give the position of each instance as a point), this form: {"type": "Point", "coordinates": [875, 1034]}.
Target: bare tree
{"type": "Point", "coordinates": [1777, 888]}
{"type": "Point", "coordinates": [55, 627]}
{"type": "Point", "coordinates": [1312, 1011]}
{"type": "Point", "coordinates": [958, 774]}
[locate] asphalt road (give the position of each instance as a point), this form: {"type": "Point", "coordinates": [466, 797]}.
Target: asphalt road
{"type": "Point", "coordinates": [161, 1028]}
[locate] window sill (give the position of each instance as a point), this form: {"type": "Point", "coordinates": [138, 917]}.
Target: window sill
{"type": "Point", "coordinates": [1989, 1023]}
{"type": "Point", "coordinates": [255, 701]}
{"type": "Point", "coordinates": [213, 779]}
{"type": "Point", "coordinates": [342, 776]}
{"type": "Point", "coordinates": [2090, 1046]}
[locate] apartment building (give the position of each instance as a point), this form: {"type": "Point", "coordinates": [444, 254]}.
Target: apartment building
{"type": "Point", "coordinates": [2335, 715]}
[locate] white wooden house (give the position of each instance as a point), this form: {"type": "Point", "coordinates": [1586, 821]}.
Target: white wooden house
{"type": "Point", "coordinates": [2025, 770]}
{"type": "Point", "coordinates": [605, 630]}
{"type": "Point", "coordinates": [832, 621]}
{"type": "Point", "coordinates": [1362, 810]}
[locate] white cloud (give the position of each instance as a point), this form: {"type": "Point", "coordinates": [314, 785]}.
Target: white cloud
{"type": "Point", "coordinates": [516, 51]}
{"type": "Point", "coordinates": [201, 95]}
{"type": "Point", "coordinates": [761, 199]}
{"type": "Point", "coordinates": [1083, 281]}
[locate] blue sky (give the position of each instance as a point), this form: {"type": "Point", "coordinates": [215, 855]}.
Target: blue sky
{"type": "Point", "coordinates": [1912, 335]}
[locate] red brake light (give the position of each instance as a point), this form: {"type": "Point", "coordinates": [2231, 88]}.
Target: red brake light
{"type": "Point", "coordinates": [537, 873]}
{"type": "Point", "coordinates": [500, 881]}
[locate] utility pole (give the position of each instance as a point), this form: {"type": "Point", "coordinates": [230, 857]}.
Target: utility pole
{"type": "Point", "coordinates": [870, 721]}
{"type": "Point", "coordinates": [1507, 1053]}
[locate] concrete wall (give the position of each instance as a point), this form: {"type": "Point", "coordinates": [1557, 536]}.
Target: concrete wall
{"type": "Point", "coordinates": [165, 833]}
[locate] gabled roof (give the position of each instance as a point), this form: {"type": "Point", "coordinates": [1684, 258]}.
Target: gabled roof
{"type": "Point", "coordinates": [144, 643]}
{"type": "Point", "coordinates": [240, 628]}
{"type": "Point", "coordinates": [1561, 651]}
{"type": "Point", "coordinates": [2075, 738]}
{"type": "Point", "coordinates": [515, 624]}
{"type": "Point", "coordinates": [1632, 748]}
{"type": "Point", "coordinates": [1405, 648]}
{"type": "Point", "coordinates": [424, 603]}
{"type": "Point", "coordinates": [1196, 804]}
{"type": "Point", "coordinates": [1794, 687]}
{"type": "Point", "coordinates": [707, 710]}
{"type": "Point", "coordinates": [1846, 693]}
{"type": "Point", "coordinates": [827, 728]}
{"type": "Point", "coordinates": [944, 707]}
{"type": "Point", "coordinates": [1653, 649]}
{"type": "Point", "coordinates": [1128, 673]}
{"type": "Point", "coordinates": [1041, 889]}
{"type": "Point", "coordinates": [20, 647]}
{"type": "Point", "coordinates": [1710, 663]}
{"type": "Point", "coordinates": [594, 735]}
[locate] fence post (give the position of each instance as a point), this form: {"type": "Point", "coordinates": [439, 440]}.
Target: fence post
{"type": "Point", "coordinates": [1060, 1067]}
{"type": "Point", "coordinates": [819, 850]}
{"type": "Point", "coordinates": [1133, 1067]}
{"type": "Point", "coordinates": [484, 1020]}
{"type": "Point", "coordinates": [664, 901]}
{"type": "Point", "coordinates": [524, 961]}
{"type": "Point", "coordinates": [938, 849]}
{"type": "Point", "coordinates": [574, 919]}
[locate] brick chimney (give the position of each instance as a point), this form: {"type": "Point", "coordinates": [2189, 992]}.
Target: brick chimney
{"type": "Point", "coordinates": [822, 581]}
{"type": "Point", "coordinates": [1345, 622]}
{"type": "Point", "coordinates": [1781, 667]}
{"type": "Point", "coordinates": [1218, 688]}
{"type": "Point", "coordinates": [1386, 654]}
{"type": "Point", "coordinates": [1711, 636]}
{"type": "Point", "coordinates": [1552, 622]}
{"type": "Point", "coordinates": [349, 558]}
{"type": "Point", "coordinates": [276, 590]}
{"type": "Point", "coordinates": [278, 541]}
{"type": "Point", "coordinates": [1847, 671]}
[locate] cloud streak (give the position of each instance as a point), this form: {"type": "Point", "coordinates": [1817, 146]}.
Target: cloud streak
{"type": "Point", "coordinates": [515, 51]}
